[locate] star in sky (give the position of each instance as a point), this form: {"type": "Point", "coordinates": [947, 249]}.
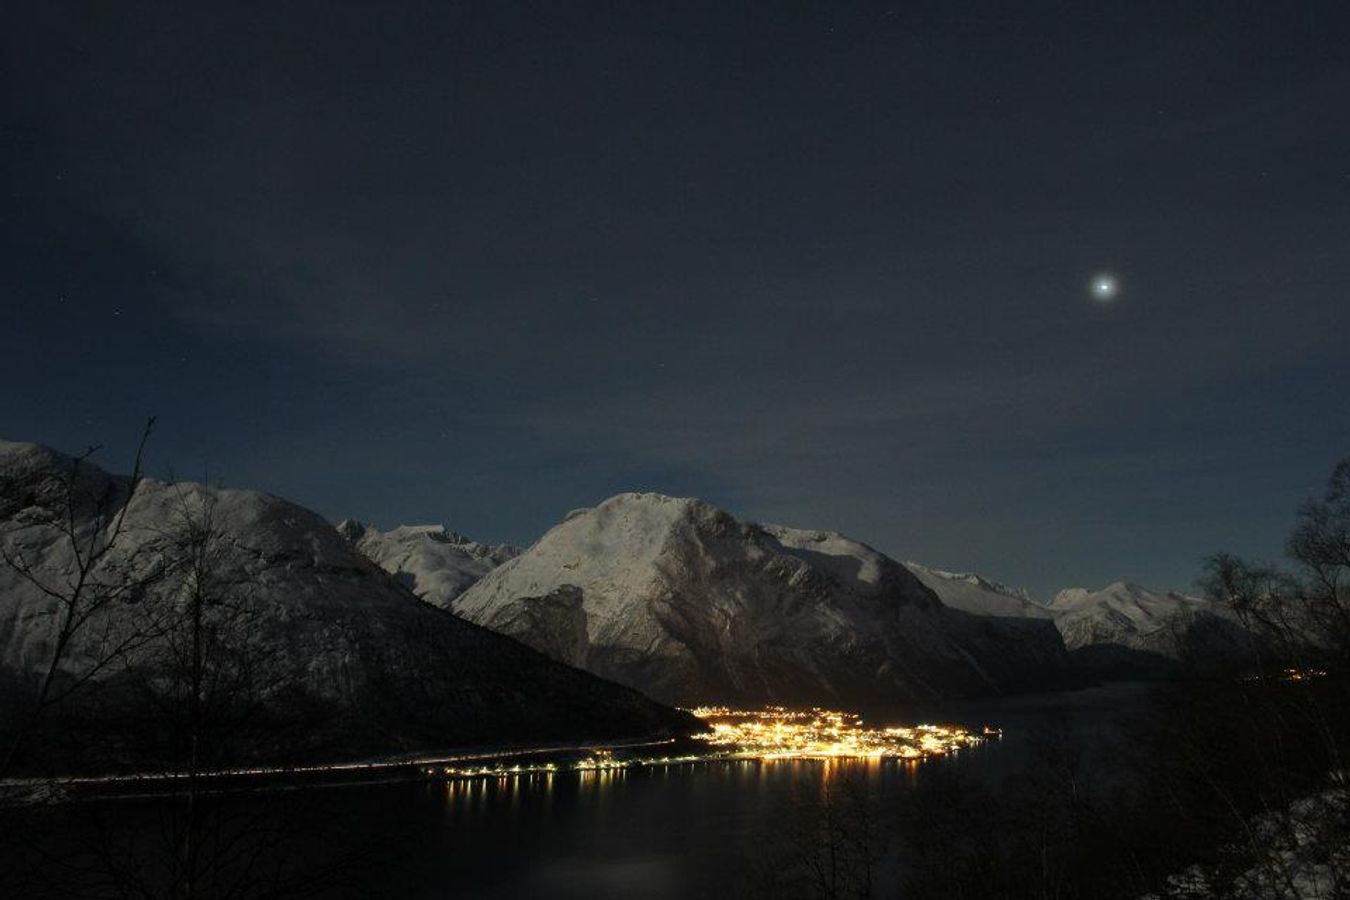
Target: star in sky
{"type": "Point", "coordinates": [1104, 288]}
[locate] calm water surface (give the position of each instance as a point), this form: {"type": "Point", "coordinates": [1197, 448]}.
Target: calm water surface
{"type": "Point", "coordinates": [694, 831]}
{"type": "Point", "coordinates": [708, 830]}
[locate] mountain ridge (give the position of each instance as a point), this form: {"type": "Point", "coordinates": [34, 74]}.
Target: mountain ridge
{"type": "Point", "coordinates": [1093, 625]}
{"type": "Point", "coordinates": [353, 662]}
{"type": "Point", "coordinates": [685, 601]}
{"type": "Point", "coordinates": [430, 560]}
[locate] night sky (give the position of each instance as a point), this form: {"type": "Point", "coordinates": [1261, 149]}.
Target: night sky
{"type": "Point", "coordinates": [824, 264]}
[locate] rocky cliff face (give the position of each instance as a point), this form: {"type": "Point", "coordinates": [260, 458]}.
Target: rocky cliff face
{"type": "Point", "coordinates": [343, 658]}
{"type": "Point", "coordinates": [689, 604]}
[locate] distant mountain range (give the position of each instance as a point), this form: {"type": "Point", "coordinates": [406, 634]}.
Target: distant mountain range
{"type": "Point", "coordinates": [419, 638]}
{"type": "Point", "coordinates": [1123, 629]}
{"type": "Point", "coordinates": [347, 660]}
{"type": "Point", "coordinates": [689, 604]}
{"type": "Point", "coordinates": [682, 600]}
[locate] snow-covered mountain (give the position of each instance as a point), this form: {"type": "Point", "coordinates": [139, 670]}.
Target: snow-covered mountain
{"type": "Point", "coordinates": [976, 594]}
{"type": "Point", "coordinates": [689, 604]}
{"type": "Point", "coordinates": [351, 661]}
{"type": "Point", "coordinates": [434, 563]}
{"type": "Point", "coordinates": [1125, 619]}
{"type": "Point", "coordinates": [1123, 628]}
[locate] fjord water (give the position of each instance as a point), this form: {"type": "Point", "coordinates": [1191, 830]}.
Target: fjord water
{"type": "Point", "coordinates": [712, 830]}
{"type": "Point", "coordinates": [707, 830]}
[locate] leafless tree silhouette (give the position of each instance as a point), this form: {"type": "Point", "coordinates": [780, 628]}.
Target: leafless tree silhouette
{"type": "Point", "coordinates": [90, 514]}
{"type": "Point", "coordinates": [831, 842]}
{"type": "Point", "coordinates": [185, 701]}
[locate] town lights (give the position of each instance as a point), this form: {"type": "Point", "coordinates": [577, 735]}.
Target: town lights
{"type": "Point", "coordinates": [771, 733]}
{"type": "Point", "coordinates": [779, 733]}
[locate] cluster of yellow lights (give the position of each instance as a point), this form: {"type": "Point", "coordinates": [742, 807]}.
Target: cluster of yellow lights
{"type": "Point", "coordinates": [498, 771]}
{"type": "Point", "coordinates": [771, 733]}
{"type": "Point", "coordinates": [600, 760]}
{"type": "Point", "coordinates": [1289, 675]}
{"type": "Point", "coordinates": [779, 733]}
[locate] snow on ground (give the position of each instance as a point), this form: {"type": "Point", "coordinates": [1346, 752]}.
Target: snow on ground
{"type": "Point", "coordinates": [1301, 855]}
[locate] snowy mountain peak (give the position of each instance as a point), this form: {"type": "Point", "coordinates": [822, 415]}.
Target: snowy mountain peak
{"type": "Point", "coordinates": [32, 475]}
{"type": "Point", "coordinates": [18, 454]}
{"type": "Point", "coordinates": [690, 604]}
{"type": "Point", "coordinates": [1128, 617]}
{"type": "Point", "coordinates": [344, 655]}
{"type": "Point", "coordinates": [973, 579]}
{"type": "Point", "coordinates": [1129, 588]}
{"type": "Point", "coordinates": [651, 511]}
{"type": "Point", "coordinates": [1123, 628]}
{"type": "Point", "coordinates": [1122, 593]}
{"type": "Point", "coordinates": [976, 594]}
{"type": "Point", "coordinates": [432, 561]}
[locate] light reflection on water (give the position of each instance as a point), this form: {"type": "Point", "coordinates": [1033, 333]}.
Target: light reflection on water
{"type": "Point", "coordinates": [745, 773]}
{"type": "Point", "coordinates": [531, 792]}
{"type": "Point", "coordinates": [686, 830]}
{"type": "Point", "coordinates": [692, 830]}
{"type": "Point", "coordinates": [653, 831]}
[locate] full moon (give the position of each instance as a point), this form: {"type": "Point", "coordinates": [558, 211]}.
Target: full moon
{"type": "Point", "coordinates": [1104, 288]}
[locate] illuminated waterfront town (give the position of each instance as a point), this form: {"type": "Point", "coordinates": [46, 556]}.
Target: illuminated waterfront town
{"type": "Point", "coordinates": [778, 733]}
{"type": "Point", "coordinates": [770, 733]}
